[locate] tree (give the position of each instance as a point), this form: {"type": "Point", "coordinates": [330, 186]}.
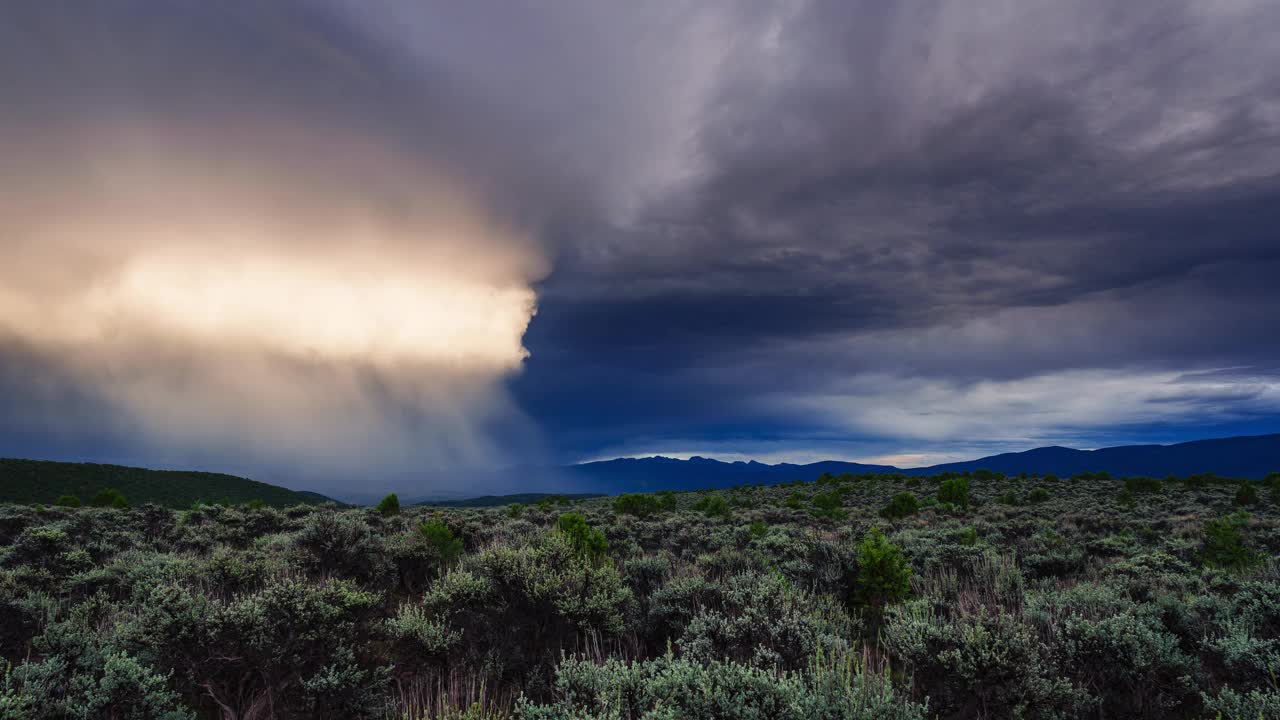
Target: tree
{"type": "Point", "coordinates": [884, 574]}
{"type": "Point", "coordinates": [668, 500]}
{"type": "Point", "coordinates": [829, 505]}
{"type": "Point", "coordinates": [389, 506]}
{"type": "Point", "coordinates": [109, 497]}
{"type": "Point", "coordinates": [637, 504]}
{"type": "Point", "coordinates": [585, 540]}
{"type": "Point", "coordinates": [1247, 494]}
{"type": "Point", "coordinates": [1224, 543]}
{"type": "Point", "coordinates": [713, 505]}
{"type": "Point", "coordinates": [955, 492]}
{"type": "Point", "coordinates": [67, 501]}
{"type": "Point", "coordinates": [441, 542]}
{"type": "Point", "coordinates": [902, 505]}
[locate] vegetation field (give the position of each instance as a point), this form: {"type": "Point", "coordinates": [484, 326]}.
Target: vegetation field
{"type": "Point", "coordinates": [962, 596]}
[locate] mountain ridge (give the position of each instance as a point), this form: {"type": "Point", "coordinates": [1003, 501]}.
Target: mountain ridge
{"type": "Point", "coordinates": [1245, 456]}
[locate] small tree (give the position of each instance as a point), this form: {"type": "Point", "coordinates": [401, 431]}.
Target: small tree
{"type": "Point", "coordinates": [667, 500]}
{"type": "Point", "coordinates": [70, 501]}
{"type": "Point", "coordinates": [884, 575]}
{"type": "Point", "coordinates": [1143, 485]}
{"type": "Point", "coordinates": [955, 492]}
{"type": "Point", "coordinates": [589, 542]}
{"type": "Point", "coordinates": [637, 504]}
{"type": "Point", "coordinates": [442, 543]}
{"type": "Point", "coordinates": [1247, 494]}
{"type": "Point", "coordinates": [902, 505]}
{"type": "Point", "coordinates": [713, 505]}
{"type": "Point", "coordinates": [109, 497]}
{"type": "Point", "coordinates": [1224, 543]}
{"type": "Point", "coordinates": [1038, 495]}
{"type": "Point", "coordinates": [390, 505]}
{"type": "Point", "coordinates": [829, 505]}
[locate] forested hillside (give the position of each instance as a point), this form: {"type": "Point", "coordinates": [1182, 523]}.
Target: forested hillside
{"type": "Point", "coordinates": [42, 481]}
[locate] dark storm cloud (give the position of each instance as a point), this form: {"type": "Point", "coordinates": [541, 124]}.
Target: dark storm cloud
{"type": "Point", "coordinates": [894, 226]}
{"type": "Point", "coordinates": [932, 196]}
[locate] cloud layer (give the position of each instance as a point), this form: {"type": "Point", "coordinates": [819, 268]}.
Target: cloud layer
{"type": "Point", "coordinates": [306, 238]}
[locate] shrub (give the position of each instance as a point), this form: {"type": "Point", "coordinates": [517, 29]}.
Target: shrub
{"type": "Point", "coordinates": [440, 541]}
{"type": "Point", "coordinates": [955, 492]}
{"type": "Point", "coordinates": [712, 505]}
{"type": "Point", "coordinates": [1009, 497]}
{"type": "Point", "coordinates": [1038, 495]}
{"type": "Point", "coordinates": [70, 501]}
{"type": "Point", "coordinates": [639, 505]}
{"type": "Point", "coordinates": [513, 608]}
{"type": "Point", "coordinates": [763, 619]}
{"type": "Point", "coordinates": [515, 510]}
{"type": "Point", "coordinates": [389, 506]}
{"type": "Point", "coordinates": [668, 687]}
{"type": "Point", "coordinates": [1139, 485]}
{"type": "Point", "coordinates": [1246, 494]}
{"type": "Point", "coordinates": [109, 497]}
{"type": "Point", "coordinates": [884, 575]}
{"type": "Point", "coordinates": [829, 505]}
{"type": "Point", "coordinates": [585, 540]}
{"type": "Point", "coordinates": [988, 664]}
{"type": "Point", "coordinates": [902, 505]}
{"type": "Point", "coordinates": [341, 544]}
{"type": "Point", "coordinates": [667, 500]}
{"type": "Point", "coordinates": [1224, 545]}
{"type": "Point", "coordinates": [794, 500]}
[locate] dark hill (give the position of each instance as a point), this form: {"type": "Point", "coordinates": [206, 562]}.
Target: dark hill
{"type": "Point", "coordinates": [42, 481]}
{"type": "Point", "coordinates": [496, 500]}
{"type": "Point", "coordinates": [1244, 457]}
{"type": "Point", "coordinates": [697, 473]}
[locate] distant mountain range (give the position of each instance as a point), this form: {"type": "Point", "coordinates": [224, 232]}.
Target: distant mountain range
{"type": "Point", "coordinates": [1243, 457]}
{"type": "Point", "coordinates": [31, 481]}
{"type": "Point", "coordinates": [43, 481]}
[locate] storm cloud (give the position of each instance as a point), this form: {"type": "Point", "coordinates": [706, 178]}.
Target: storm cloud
{"type": "Point", "coordinates": [308, 240]}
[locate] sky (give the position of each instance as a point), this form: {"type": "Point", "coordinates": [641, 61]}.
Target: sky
{"type": "Point", "coordinates": [384, 244]}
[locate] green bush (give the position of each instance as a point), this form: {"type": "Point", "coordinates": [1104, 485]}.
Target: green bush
{"type": "Point", "coordinates": [444, 547]}
{"type": "Point", "coordinates": [1224, 545]}
{"type": "Point", "coordinates": [712, 505]}
{"type": "Point", "coordinates": [109, 497]}
{"type": "Point", "coordinates": [389, 506]}
{"type": "Point", "coordinates": [902, 505]}
{"type": "Point", "coordinates": [1125, 498]}
{"type": "Point", "coordinates": [668, 501]}
{"type": "Point", "coordinates": [641, 506]}
{"type": "Point", "coordinates": [70, 501]}
{"type": "Point", "coordinates": [1139, 485]}
{"type": "Point", "coordinates": [1246, 494]}
{"type": "Point", "coordinates": [1038, 495]}
{"type": "Point", "coordinates": [585, 540]}
{"type": "Point", "coordinates": [884, 574]}
{"type": "Point", "coordinates": [829, 505]}
{"type": "Point", "coordinates": [955, 492]}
